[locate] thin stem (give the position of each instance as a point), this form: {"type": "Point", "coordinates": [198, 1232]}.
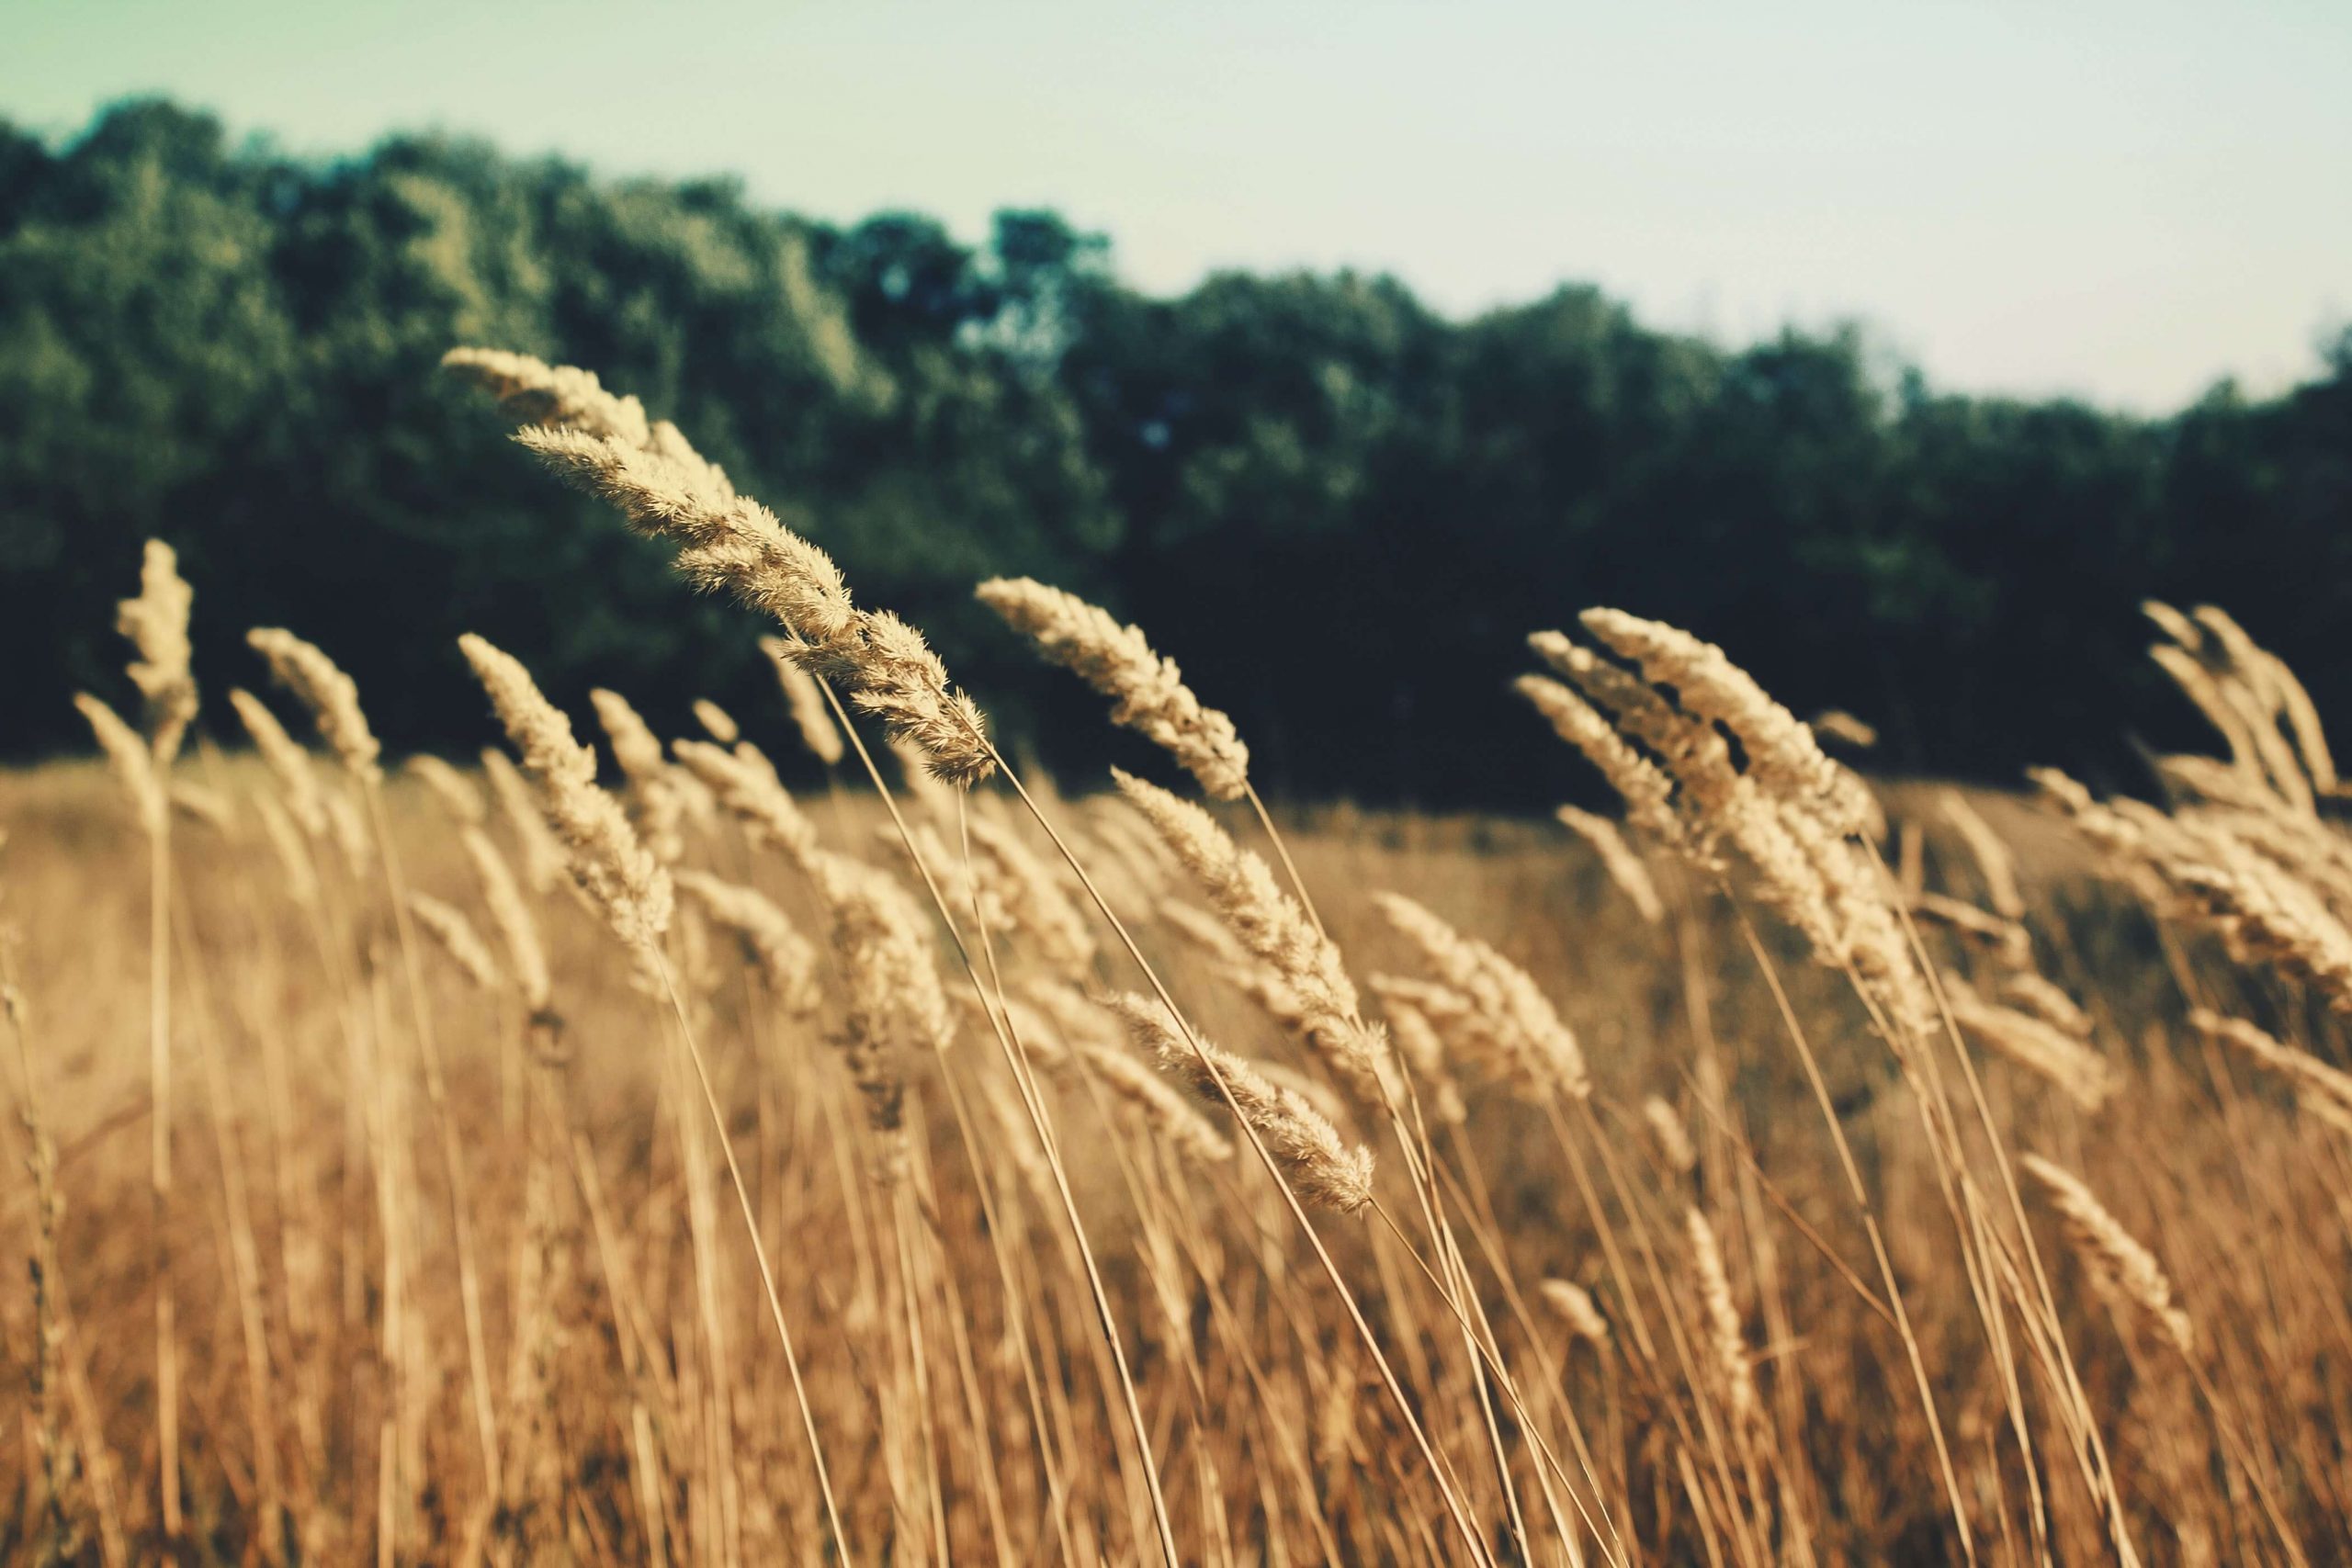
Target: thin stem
{"type": "Point", "coordinates": [1290, 1198]}
{"type": "Point", "coordinates": [759, 1249]}
{"type": "Point", "coordinates": [1043, 1128]}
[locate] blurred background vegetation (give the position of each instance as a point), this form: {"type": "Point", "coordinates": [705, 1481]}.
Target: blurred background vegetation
{"type": "Point", "coordinates": [1338, 509]}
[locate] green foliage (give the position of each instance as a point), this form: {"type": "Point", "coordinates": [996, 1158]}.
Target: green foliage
{"type": "Point", "coordinates": [1339, 510]}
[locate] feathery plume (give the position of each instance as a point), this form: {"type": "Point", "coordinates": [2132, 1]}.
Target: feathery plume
{"type": "Point", "coordinates": [1035, 899]}
{"type": "Point", "coordinates": [543, 861]}
{"type": "Point", "coordinates": [288, 762]}
{"type": "Point", "coordinates": [729, 542]}
{"type": "Point", "coordinates": [2039, 1047]}
{"type": "Point", "coordinates": [518, 931]}
{"type": "Point", "coordinates": [786, 960]}
{"type": "Point", "coordinates": [156, 624]}
{"type": "Point", "coordinates": [1994, 862]}
{"type": "Point", "coordinates": [1672, 1138]}
{"type": "Point", "coordinates": [331, 697]}
{"type": "Point", "coordinates": [448, 925]}
{"type": "Point", "coordinates": [292, 851]}
{"type": "Point", "coordinates": [1506, 1026]}
{"type": "Point", "coordinates": [895, 999]}
{"type": "Point", "coordinates": [2314, 1080]}
{"type": "Point", "coordinates": [1147, 691]}
{"type": "Point", "coordinates": [807, 704]}
{"type": "Point", "coordinates": [2113, 1256]}
{"type": "Point", "coordinates": [1722, 1318]}
{"type": "Point", "coordinates": [1320, 1167]}
{"type": "Point", "coordinates": [1646, 791]}
{"type": "Point", "coordinates": [1419, 1044]}
{"type": "Point", "coordinates": [1576, 1308]}
{"type": "Point", "coordinates": [1783, 755]}
{"type": "Point", "coordinates": [132, 763]}
{"type": "Point", "coordinates": [199, 803]}
{"type": "Point", "coordinates": [1836, 724]}
{"type": "Point", "coordinates": [1618, 859]}
{"type": "Point", "coordinates": [745, 783]}
{"type": "Point", "coordinates": [1088, 1037]}
{"type": "Point", "coordinates": [717, 721]}
{"type": "Point", "coordinates": [1275, 930]}
{"type": "Point", "coordinates": [656, 805]}
{"type": "Point", "coordinates": [609, 863]}
{"type": "Point", "coordinates": [456, 792]}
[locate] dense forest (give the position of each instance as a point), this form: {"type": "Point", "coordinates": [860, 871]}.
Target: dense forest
{"type": "Point", "coordinates": [1339, 509]}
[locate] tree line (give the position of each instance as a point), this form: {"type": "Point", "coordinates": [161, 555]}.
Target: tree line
{"type": "Point", "coordinates": [1339, 509]}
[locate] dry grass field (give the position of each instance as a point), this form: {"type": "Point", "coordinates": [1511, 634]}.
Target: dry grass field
{"type": "Point", "coordinates": [434, 1165]}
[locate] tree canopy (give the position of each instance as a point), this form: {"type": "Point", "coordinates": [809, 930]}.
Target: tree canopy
{"type": "Point", "coordinates": [1339, 509]}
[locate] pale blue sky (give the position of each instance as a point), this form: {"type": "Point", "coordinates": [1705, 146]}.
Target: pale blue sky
{"type": "Point", "coordinates": [2125, 201]}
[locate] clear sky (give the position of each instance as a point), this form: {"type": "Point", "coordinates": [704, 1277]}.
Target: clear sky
{"type": "Point", "coordinates": [2120, 198]}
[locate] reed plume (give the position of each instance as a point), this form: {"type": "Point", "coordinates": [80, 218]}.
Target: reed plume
{"type": "Point", "coordinates": [805, 702]}
{"type": "Point", "coordinates": [1577, 1310]}
{"type": "Point", "coordinates": [1504, 1025]}
{"type": "Point", "coordinates": [1270, 924]}
{"type": "Point", "coordinates": [2325, 1090]}
{"type": "Point", "coordinates": [156, 624]}
{"type": "Point", "coordinates": [456, 793]}
{"type": "Point", "coordinates": [746, 786]}
{"type": "Point", "coordinates": [129, 760]}
{"type": "Point", "coordinates": [717, 721]}
{"type": "Point", "coordinates": [1618, 859]}
{"type": "Point", "coordinates": [657, 805]}
{"type": "Point", "coordinates": [1724, 1336]}
{"type": "Point", "coordinates": [518, 932]}
{"type": "Point", "coordinates": [786, 960]}
{"type": "Point", "coordinates": [1148, 691]}
{"type": "Point", "coordinates": [1321, 1168]}
{"type": "Point", "coordinates": [543, 860]}
{"type": "Point", "coordinates": [288, 763]}
{"type": "Point", "coordinates": [607, 860]}
{"type": "Point", "coordinates": [2113, 1254]}
{"type": "Point", "coordinates": [331, 697]}
{"type": "Point", "coordinates": [448, 927]}
{"type": "Point", "coordinates": [2039, 1047]}
{"type": "Point", "coordinates": [728, 542]}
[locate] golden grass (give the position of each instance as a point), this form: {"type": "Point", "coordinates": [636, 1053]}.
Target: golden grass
{"type": "Point", "coordinates": [1702, 1191]}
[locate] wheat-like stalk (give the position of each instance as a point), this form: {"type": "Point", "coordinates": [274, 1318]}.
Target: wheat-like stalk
{"type": "Point", "coordinates": [132, 762]}
{"type": "Point", "coordinates": [2327, 1090]}
{"type": "Point", "coordinates": [156, 624]}
{"type": "Point", "coordinates": [2111, 1252]}
{"type": "Point", "coordinates": [1577, 1310]}
{"type": "Point", "coordinates": [1673, 1139]}
{"type": "Point", "coordinates": [1505, 1026]}
{"type": "Point", "coordinates": [1276, 931]}
{"type": "Point", "coordinates": [728, 542]}
{"type": "Point", "coordinates": [447, 926]}
{"type": "Point", "coordinates": [1148, 691]}
{"type": "Point", "coordinates": [606, 859]}
{"type": "Point", "coordinates": [458, 795]}
{"type": "Point", "coordinates": [746, 786]}
{"type": "Point", "coordinates": [657, 805]}
{"type": "Point", "coordinates": [1724, 1336]}
{"type": "Point", "coordinates": [717, 722]}
{"type": "Point", "coordinates": [543, 858]}
{"type": "Point", "coordinates": [518, 932]}
{"type": "Point", "coordinates": [806, 703]}
{"type": "Point", "coordinates": [1321, 1168]}
{"type": "Point", "coordinates": [2085, 1077]}
{"type": "Point", "coordinates": [1617, 858]}
{"type": "Point", "coordinates": [786, 959]}
{"type": "Point", "coordinates": [331, 697]}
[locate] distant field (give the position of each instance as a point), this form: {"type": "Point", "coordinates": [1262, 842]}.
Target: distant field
{"type": "Point", "coordinates": [629, 1407]}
